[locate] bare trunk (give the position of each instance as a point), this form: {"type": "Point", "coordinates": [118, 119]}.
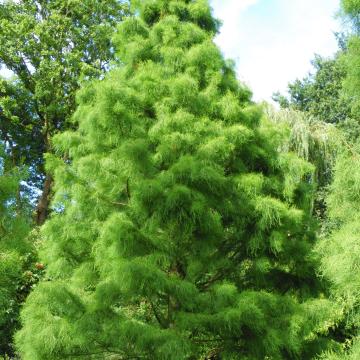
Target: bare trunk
{"type": "Point", "coordinates": [42, 208]}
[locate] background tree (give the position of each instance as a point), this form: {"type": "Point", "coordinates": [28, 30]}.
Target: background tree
{"type": "Point", "coordinates": [49, 45]}
{"type": "Point", "coordinates": [181, 232]}
{"type": "Point", "coordinates": [320, 93]}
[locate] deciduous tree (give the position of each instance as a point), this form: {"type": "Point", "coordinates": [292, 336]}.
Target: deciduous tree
{"type": "Point", "coordinates": [49, 45]}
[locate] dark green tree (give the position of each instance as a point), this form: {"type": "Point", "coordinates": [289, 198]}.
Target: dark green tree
{"type": "Point", "coordinates": [180, 231]}
{"type": "Point", "coordinates": [320, 93]}
{"type": "Point", "coordinates": [49, 46]}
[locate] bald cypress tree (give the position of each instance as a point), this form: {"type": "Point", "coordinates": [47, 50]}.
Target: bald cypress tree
{"type": "Point", "coordinates": [179, 231]}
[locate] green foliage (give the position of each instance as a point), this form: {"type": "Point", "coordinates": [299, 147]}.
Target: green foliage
{"type": "Point", "coordinates": [352, 82]}
{"type": "Point", "coordinates": [320, 94]}
{"type": "Point", "coordinates": [14, 255]}
{"type": "Point", "coordinates": [180, 231]}
{"type": "Point", "coordinates": [339, 252]}
{"type": "Point", "coordinates": [314, 140]}
{"type": "Point", "coordinates": [50, 46]}
{"type": "Point", "coordinates": [351, 7]}
{"type": "Point", "coordinates": [18, 126]}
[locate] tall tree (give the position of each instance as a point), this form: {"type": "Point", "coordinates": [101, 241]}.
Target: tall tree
{"type": "Point", "coordinates": [180, 231]}
{"type": "Point", "coordinates": [49, 45]}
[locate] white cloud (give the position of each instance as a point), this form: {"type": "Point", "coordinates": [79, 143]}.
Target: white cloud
{"type": "Point", "coordinates": [273, 41]}
{"type": "Point", "coordinates": [5, 73]}
{"type": "Point", "coordinates": [230, 11]}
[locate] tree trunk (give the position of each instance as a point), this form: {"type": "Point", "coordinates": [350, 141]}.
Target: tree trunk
{"type": "Point", "coordinates": [42, 208]}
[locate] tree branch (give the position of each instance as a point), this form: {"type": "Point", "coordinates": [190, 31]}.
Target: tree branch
{"type": "Point", "coordinates": [158, 317]}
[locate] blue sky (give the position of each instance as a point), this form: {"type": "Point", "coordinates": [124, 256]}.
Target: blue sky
{"type": "Point", "coordinates": [273, 41]}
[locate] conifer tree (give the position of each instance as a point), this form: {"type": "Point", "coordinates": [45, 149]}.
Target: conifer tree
{"type": "Point", "coordinates": [179, 231]}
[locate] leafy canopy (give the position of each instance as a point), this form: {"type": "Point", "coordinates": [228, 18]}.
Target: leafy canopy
{"type": "Point", "coordinates": [49, 46]}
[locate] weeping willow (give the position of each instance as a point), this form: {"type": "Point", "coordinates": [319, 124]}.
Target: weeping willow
{"type": "Point", "coordinates": [311, 139]}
